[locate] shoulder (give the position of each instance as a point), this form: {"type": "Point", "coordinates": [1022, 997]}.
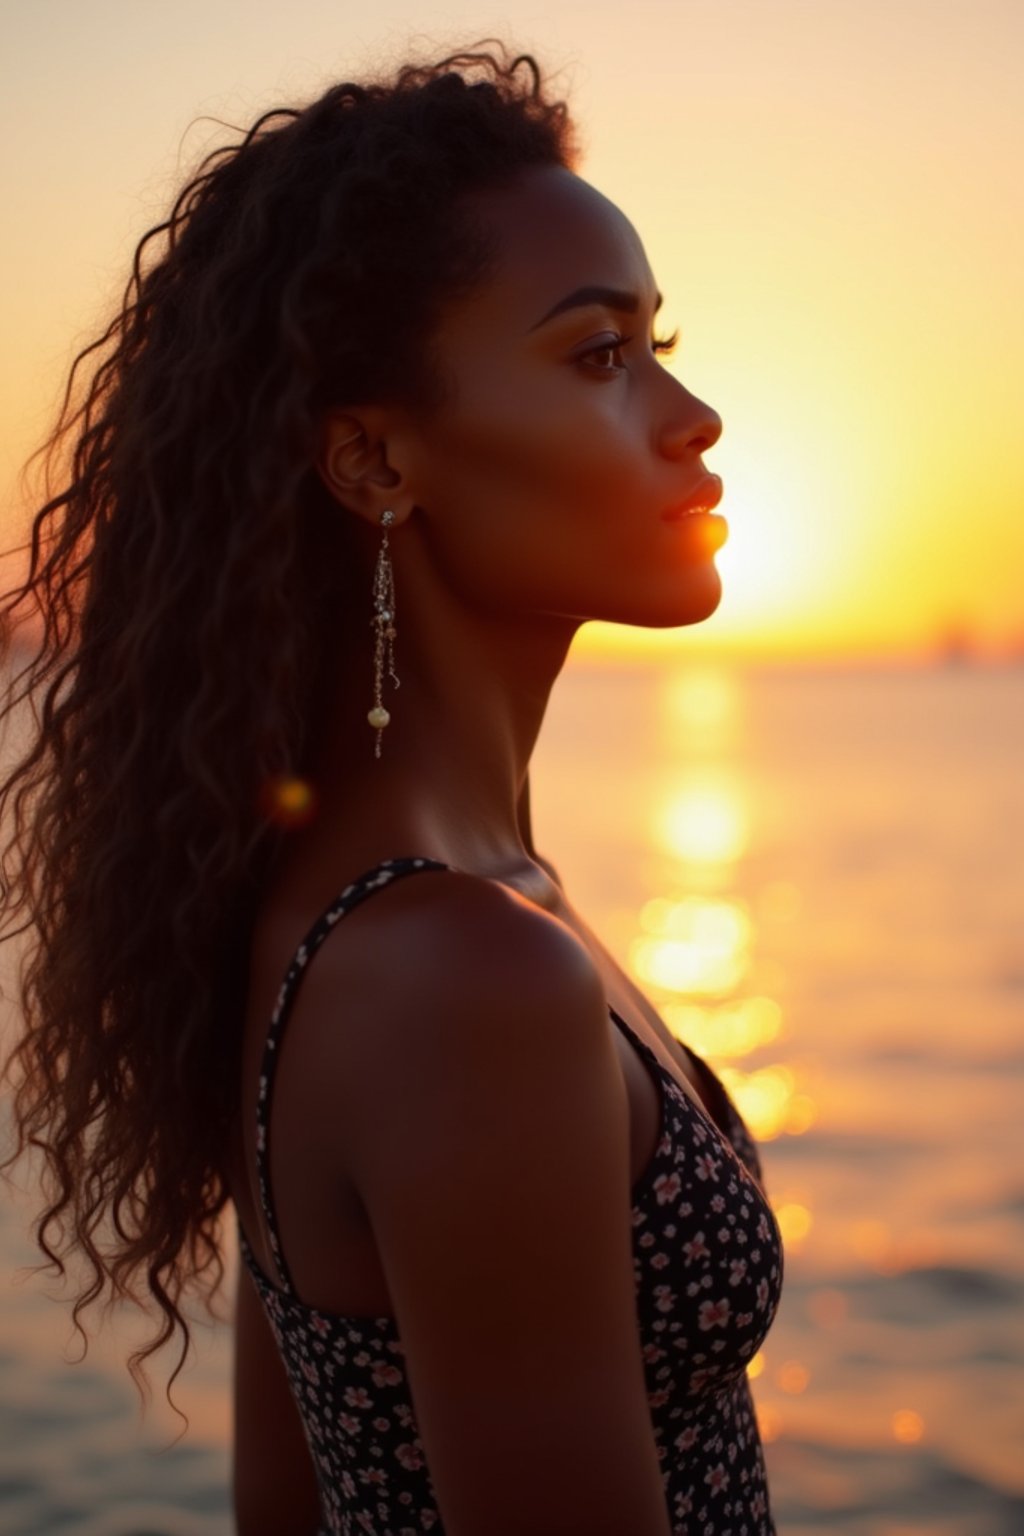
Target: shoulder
{"type": "Point", "coordinates": [439, 977]}
{"type": "Point", "coordinates": [455, 932]}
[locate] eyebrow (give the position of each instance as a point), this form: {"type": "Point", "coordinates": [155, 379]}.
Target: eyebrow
{"type": "Point", "coordinates": [611, 298]}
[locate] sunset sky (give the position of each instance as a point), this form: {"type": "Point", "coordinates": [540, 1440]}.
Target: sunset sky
{"type": "Point", "coordinates": [829, 195]}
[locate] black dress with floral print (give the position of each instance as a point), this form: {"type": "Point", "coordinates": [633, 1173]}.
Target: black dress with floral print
{"type": "Point", "coordinates": [708, 1267]}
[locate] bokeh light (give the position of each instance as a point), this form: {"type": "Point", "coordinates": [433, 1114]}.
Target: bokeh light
{"type": "Point", "coordinates": [907, 1426]}
{"type": "Point", "coordinates": [288, 801]}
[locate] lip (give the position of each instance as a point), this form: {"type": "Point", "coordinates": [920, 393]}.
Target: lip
{"type": "Point", "coordinates": [703, 498]}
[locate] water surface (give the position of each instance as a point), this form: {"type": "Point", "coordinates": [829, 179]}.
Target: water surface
{"type": "Point", "coordinates": [817, 876]}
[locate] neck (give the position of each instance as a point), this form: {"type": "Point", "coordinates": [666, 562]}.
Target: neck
{"type": "Point", "coordinates": [452, 780]}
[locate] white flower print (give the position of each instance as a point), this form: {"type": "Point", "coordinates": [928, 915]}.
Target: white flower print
{"type": "Point", "coordinates": [664, 1298]}
{"type": "Point", "coordinates": [666, 1186]}
{"type": "Point", "coordinates": [718, 1478]}
{"type": "Point", "coordinates": [696, 1248]}
{"type": "Point", "coordinates": [714, 1314]}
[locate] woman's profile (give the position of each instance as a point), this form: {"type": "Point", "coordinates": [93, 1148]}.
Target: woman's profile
{"type": "Point", "coordinates": [380, 424]}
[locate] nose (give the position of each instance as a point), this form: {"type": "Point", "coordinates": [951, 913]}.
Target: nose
{"type": "Point", "coordinates": [690, 426]}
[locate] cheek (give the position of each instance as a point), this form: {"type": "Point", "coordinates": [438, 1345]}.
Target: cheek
{"type": "Point", "coordinates": [542, 493]}
{"type": "Point", "coordinates": [539, 455]}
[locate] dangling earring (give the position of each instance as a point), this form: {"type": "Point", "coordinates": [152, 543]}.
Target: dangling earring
{"type": "Point", "coordinates": [383, 618]}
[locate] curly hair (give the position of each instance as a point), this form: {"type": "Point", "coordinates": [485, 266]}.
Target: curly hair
{"type": "Point", "coordinates": [179, 585]}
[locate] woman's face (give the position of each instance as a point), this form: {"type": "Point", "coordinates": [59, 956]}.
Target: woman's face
{"type": "Point", "coordinates": [542, 483]}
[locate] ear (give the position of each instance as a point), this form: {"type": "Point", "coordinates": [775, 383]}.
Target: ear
{"type": "Point", "coordinates": [352, 462]}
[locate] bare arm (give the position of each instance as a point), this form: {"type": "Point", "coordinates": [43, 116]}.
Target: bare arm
{"type": "Point", "coordinates": [495, 1172]}
{"type": "Point", "coordinates": [273, 1482]}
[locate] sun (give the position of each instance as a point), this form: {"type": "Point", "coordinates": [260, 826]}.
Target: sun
{"type": "Point", "coordinates": [767, 565]}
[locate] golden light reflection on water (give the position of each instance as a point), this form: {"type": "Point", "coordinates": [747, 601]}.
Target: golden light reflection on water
{"type": "Point", "coordinates": [731, 1029]}
{"type": "Point", "coordinates": [704, 822]}
{"type": "Point", "coordinates": [795, 1221]}
{"type": "Point", "coordinates": [701, 710]}
{"type": "Point", "coordinates": [694, 945]}
{"type": "Point", "coordinates": [764, 1098]}
{"type": "Point", "coordinates": [695, 950]}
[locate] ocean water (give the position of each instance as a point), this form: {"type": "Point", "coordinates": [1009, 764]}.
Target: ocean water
{"type": "Point", "coordinates": [817, 876]}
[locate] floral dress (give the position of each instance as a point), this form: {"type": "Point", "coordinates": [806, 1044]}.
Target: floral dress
{"type": "Point", "coordinates": [708, 1266]}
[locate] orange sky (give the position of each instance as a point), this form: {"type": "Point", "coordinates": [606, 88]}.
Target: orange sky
{"type": "Point", "coordinates": [828, 195]}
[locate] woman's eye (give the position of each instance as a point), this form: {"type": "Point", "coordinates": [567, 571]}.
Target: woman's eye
{"type": "Point", "coordinates": [609, 348]}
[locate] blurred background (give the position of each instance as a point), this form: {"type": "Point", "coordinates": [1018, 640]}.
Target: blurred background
{"type": "Point", "coordinates": [800, 824]}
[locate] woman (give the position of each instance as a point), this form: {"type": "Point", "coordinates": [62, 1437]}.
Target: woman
{"type": "Point", "coordinates": [380, 427]}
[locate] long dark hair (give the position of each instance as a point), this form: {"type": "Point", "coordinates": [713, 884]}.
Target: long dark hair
{"type": "Point", "coordinates": [179, 583]}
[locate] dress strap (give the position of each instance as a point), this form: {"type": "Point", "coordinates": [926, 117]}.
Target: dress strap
{"type": "Point", "coordinates": [374, 879]}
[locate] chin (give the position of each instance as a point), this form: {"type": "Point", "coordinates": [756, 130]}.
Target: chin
{"type": "Point", "coordinates": [691, 596]}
